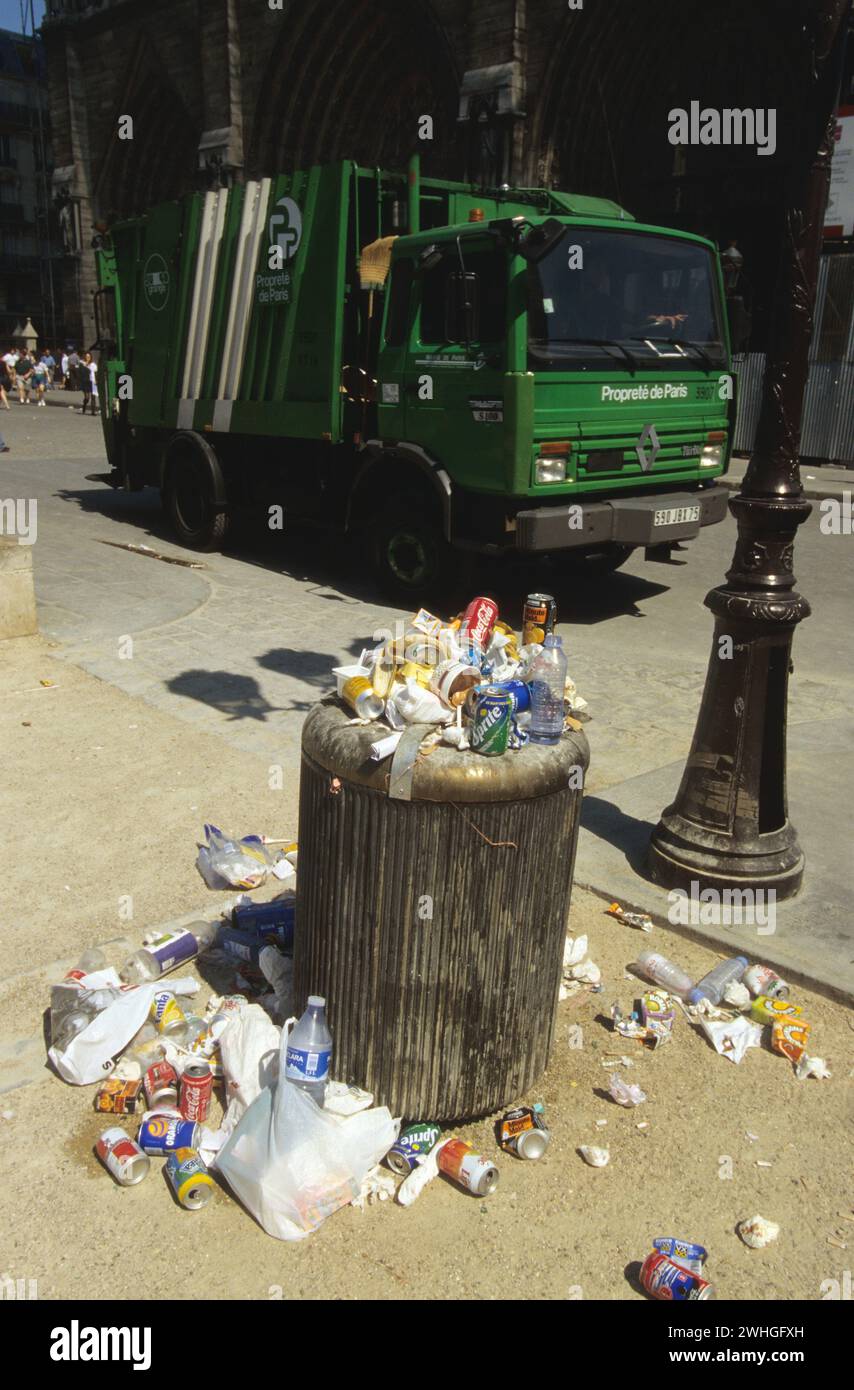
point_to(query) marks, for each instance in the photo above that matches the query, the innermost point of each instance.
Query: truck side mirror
(540, 240)
(462, 316)
(429, 257)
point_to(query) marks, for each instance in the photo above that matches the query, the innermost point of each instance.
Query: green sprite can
(414, 1144)
(491, 720)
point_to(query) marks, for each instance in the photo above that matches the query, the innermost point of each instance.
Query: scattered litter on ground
(757, 1232)
(597, 1158)
(155, 555)
(641, 920)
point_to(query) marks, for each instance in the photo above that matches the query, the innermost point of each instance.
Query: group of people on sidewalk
(31, 377)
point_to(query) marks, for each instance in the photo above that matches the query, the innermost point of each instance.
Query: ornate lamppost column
(729, 825)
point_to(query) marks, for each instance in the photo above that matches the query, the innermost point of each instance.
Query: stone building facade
(575, 93)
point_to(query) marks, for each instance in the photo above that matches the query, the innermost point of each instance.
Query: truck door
(455, 361)
(157, 298)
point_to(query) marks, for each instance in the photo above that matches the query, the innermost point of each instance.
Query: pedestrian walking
(93, 378)
(24, 376)
(11, 360)
(40, 378)
(84, 381)
(63, 369)
(50, 363)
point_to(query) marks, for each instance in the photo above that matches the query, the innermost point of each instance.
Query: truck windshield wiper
(599, 342)
(681, 344)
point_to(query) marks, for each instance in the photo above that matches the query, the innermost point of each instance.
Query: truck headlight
(550, 468)
(712, 456)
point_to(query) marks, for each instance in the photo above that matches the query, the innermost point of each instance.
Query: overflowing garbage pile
(240, 1088)
(473, 677)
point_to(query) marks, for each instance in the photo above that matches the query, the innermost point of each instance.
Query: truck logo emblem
(285, 229)
(156, 282)
(648, 447)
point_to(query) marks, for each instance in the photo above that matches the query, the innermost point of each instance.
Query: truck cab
(571, 379)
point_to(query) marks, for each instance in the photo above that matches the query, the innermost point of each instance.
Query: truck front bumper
(646, 520)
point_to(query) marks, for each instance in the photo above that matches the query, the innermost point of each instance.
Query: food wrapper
(765, 1010)
(790, 1037)
(658, 1015)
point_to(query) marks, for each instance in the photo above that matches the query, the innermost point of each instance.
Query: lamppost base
(673, 862)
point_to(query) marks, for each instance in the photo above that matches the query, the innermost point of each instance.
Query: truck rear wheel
(198, 520)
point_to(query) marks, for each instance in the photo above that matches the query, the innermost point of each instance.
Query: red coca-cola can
(479, 619)
(161, 1085)
(196, 1091)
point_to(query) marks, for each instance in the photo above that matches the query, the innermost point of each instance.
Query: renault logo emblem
(648, 447)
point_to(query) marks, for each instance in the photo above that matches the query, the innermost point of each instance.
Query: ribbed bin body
(435, 926)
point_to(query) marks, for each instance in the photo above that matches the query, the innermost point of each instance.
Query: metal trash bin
(431, 912)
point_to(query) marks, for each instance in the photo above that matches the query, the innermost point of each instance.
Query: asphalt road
(243, 646)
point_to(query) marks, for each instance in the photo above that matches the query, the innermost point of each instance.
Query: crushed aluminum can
(664, 1279)
(122, 1157)
(522, 1131)
(682, 1252)
(161, 1084)
(189, 1178)
(458, 1160)
(413, 1144)
(761, 979)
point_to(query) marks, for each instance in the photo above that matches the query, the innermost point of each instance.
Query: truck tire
(410, 557)
(198, 520)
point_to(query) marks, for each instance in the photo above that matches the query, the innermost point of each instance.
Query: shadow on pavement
(237, 696)
(338, 565)
(626, 833)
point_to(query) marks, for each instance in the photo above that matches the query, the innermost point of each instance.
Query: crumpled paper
(732, 1037)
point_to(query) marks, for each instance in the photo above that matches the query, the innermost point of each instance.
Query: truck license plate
(672, 516)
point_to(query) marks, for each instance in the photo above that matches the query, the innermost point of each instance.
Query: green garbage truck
(426, 365)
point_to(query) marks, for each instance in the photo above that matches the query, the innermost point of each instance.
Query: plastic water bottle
(167, 951)
(547, 679)
(72, 1007)
(712, 986)
(663, 972)
(309, 1050)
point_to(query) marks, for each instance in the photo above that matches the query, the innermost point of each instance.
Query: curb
(717, 937)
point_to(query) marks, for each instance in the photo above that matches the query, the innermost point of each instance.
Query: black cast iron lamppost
(729, 825)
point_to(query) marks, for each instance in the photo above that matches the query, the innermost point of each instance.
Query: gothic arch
(159, 163)
(635, 61)
(349, 79)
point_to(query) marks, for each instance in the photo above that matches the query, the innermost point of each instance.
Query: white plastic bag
(292, 1164)
(88, 1057)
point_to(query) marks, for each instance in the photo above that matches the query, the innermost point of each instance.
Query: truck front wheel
(188, 496)
(411, 558)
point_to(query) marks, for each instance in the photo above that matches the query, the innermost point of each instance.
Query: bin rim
(330, 740)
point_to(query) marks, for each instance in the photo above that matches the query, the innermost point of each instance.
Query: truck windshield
(628, 299)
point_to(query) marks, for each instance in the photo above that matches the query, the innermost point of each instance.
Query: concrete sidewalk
(810, 939)
(817, 482)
